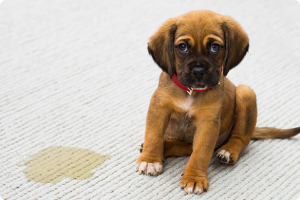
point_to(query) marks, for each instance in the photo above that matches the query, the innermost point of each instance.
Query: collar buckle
(190, 91)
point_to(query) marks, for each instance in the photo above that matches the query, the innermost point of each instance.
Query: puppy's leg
(174, 148)
(151, 158)
(194, 178)
(246, 114)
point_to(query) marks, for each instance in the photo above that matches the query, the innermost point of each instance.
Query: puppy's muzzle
(198, 72)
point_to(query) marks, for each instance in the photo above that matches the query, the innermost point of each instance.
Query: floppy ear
(161, 47)
(237, 43)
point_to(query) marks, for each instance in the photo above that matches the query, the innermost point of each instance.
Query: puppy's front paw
(149, 166)
(194, 184)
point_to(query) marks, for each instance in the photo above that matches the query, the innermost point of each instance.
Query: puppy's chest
(186, 104)
(181, 125)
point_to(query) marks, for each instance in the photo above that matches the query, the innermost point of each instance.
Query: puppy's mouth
(200, 88)
(199, 84)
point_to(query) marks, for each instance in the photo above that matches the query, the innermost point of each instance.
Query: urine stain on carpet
(54, 163)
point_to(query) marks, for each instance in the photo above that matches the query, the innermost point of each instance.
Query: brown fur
(270, 132)
(178, 124)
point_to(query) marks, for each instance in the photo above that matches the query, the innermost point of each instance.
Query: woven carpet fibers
(77, 74)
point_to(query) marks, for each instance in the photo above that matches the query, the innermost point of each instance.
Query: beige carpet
(75, 85)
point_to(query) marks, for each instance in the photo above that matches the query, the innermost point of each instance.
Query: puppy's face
(197, 45)
(199, 52)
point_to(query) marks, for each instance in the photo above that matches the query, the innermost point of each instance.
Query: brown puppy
(196, 109)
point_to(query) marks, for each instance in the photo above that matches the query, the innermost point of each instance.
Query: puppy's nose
(198, 72)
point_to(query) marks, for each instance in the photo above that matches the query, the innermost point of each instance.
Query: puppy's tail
(270, 132)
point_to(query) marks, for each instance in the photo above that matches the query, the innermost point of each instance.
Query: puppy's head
(197, 45)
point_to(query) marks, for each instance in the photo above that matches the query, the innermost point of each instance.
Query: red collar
(189, 90)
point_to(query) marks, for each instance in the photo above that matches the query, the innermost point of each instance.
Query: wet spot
(54, 163)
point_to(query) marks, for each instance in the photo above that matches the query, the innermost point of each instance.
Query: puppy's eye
(215, 48)
(182, 48)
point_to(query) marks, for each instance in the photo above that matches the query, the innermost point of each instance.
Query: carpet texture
(77, 74)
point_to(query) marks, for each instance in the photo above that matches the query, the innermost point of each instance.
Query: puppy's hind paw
(140, 147)
(225, 156)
